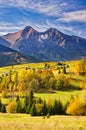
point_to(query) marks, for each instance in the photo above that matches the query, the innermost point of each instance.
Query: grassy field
(6, 69)
(64, 96)
(26, 122)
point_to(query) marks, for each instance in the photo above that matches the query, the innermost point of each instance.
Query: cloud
(42, 14)
(10, 27)
(6, 27)
(77, 16)
(67, 28)
(47, 7)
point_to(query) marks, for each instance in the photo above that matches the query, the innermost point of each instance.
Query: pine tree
(58, 107)
(44, 108)
(30, 97)
(26, 103)
(0, 105)
(28, 109)
(39, 100)
(33, 110)
(19, 107)
(50, 110)
(3, 109)
(17, 98)
(55, 107)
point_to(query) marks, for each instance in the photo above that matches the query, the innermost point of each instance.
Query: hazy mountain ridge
(9, 56)
(50, 45)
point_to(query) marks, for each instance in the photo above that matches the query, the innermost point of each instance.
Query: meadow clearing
(26, 122)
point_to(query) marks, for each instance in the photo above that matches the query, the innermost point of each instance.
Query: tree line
(38, 107)
(30, 79)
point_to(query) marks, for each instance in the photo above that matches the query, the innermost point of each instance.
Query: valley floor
(26, 122)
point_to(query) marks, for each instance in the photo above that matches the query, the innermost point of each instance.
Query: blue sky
(67, 16)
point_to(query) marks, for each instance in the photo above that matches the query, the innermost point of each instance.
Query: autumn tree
(47, 79)
(11, 108)
(80, 67)
(15, 80)
(39, 109)
(59, 84)
(82, 85)
(4, 94)
(34, 85)
(62, 82)
(76, 107)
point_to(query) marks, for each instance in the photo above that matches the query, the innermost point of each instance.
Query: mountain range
(9, 56)
(51, 45)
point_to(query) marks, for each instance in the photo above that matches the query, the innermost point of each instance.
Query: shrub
(39, 109)
(59, 84)
(48, 115)
(11, 108)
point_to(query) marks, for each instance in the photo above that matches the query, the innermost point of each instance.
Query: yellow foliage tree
(76, 107)
(4, 94)
(82, 85)
(34, 85)
(80, 67)
(39, 108)
(11, 108)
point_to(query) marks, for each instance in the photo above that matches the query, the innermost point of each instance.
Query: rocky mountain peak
(28, 31)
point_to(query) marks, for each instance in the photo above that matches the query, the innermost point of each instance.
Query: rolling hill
(9, 56)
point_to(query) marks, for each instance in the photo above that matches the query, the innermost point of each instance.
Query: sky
(67, 16)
